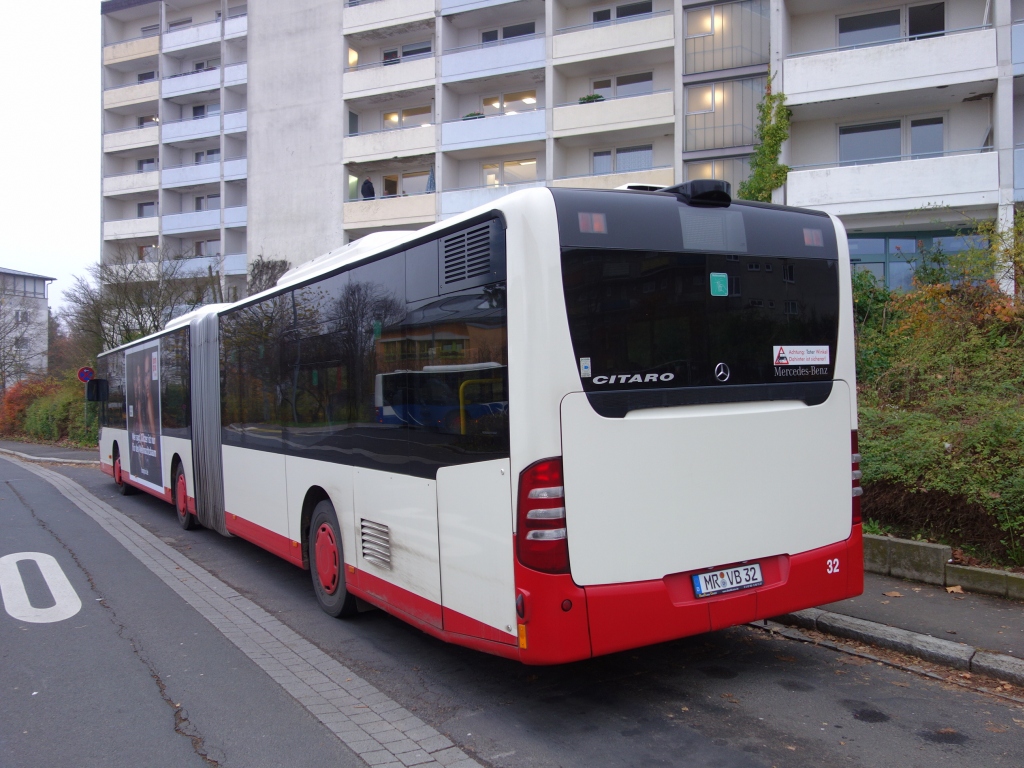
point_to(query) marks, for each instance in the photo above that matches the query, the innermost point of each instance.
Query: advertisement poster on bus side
(142, 396)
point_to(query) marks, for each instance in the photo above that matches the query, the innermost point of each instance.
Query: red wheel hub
(181, 496)
(117, 470)
(327, 565)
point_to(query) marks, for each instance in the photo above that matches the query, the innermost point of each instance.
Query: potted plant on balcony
(472, 115)
(590, 98)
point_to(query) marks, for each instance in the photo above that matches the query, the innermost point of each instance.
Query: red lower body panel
(626, 616)
(274, 543)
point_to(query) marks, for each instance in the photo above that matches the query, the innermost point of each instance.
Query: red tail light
(857, 490)
(541, 542)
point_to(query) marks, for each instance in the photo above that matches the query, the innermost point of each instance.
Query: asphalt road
(137, 677)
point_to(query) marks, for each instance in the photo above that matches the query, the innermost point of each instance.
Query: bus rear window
(652, 319)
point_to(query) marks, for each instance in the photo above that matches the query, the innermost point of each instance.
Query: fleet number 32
(832, 565)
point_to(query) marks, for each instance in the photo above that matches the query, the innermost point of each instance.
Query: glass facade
(726, 36)
(731, 169)
(890, 257)
(722, 114)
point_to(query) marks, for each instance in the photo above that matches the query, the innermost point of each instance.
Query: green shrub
(52, 411)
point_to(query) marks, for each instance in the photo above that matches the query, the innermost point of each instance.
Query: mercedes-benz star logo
(722, 372)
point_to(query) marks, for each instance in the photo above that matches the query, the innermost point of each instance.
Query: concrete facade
(24, 325)
(234, 129)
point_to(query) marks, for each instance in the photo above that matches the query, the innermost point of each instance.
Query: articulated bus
(567, 424)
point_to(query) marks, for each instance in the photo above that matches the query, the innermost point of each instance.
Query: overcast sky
(49, 201)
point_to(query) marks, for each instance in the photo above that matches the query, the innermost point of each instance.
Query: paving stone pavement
(379, 730)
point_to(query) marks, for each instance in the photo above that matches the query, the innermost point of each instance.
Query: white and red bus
(635, 420)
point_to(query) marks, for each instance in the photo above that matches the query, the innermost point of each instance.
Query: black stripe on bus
(615, 404)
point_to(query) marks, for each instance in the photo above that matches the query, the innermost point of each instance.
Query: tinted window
(111, 368)
(870, 28)
(876, 143)
(175, 385)
(371, 367)
(648, 320)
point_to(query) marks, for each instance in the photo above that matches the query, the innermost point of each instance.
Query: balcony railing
(132, 128)
(612, 98)
(893, 158)
(135, 172)
(890, 41)
(154, 33)
(191, 72)
(190, 119)
(389, 197)
(390, 63)
(495, 44)
(351, 3)
(614, 173)
(390, 130)
(610, 22)
(503, 113)
(131, 85)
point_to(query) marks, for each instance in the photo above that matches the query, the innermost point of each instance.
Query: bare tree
(20, 351)
(126, 297)
(264, 273)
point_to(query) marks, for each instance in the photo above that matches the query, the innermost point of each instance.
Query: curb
(957, 655)
(929, 563)
(48, 460)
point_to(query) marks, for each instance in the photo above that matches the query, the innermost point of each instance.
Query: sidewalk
(989, 623)
(50, 451)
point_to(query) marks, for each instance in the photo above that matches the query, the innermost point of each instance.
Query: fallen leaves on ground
(894, 593)
(955, 589)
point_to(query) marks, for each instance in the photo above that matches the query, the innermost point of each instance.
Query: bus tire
(327, 563)
(119, 480)
(180, 490)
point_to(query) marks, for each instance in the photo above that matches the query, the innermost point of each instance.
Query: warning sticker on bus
(800, 355)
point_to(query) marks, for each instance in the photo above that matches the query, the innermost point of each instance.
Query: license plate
(727, 580)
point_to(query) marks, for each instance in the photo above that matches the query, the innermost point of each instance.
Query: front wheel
(185, 518)
(327, 563)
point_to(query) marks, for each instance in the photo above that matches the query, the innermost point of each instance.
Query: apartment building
(287, 129)
(903, 119)
(24, 325)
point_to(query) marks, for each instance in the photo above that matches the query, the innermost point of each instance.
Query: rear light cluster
(857, 490)
(541, 542)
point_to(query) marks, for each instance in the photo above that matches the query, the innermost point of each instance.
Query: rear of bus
(707, 474)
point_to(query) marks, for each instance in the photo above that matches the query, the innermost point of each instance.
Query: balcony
(236, 74)
(663, 176)
(456, 201)
(622, 36)
(134, 93)
(370, 79)
(127, 50)
(236, 26)
(124, 229)
(956, 180)
(236, 168)
(188, 175)
(131, 138)
(488, 59)
(190, 128)
(461, 6)
(186, 37)
(193, 221)
(235, 264)
(235, 216)
(379, 145)
(614, 114)
(235, 122)
(390, 212)
(190, 82)
(960, 56)
(371, 14)
(493, 130)
(128, 183)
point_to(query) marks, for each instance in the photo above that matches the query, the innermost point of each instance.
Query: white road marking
(15, 596)
(379, 730)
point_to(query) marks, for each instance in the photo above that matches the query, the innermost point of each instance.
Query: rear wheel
(119, 478)
(327, 563)
(185, 518)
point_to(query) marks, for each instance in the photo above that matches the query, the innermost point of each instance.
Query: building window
(734, 170)
(722, 114)
(207, 202)
(146, 164)
(623, 159)
(604, 15)
(204, 65)
(726, 35)
(408, 183)
(407, 118)
(353, 124)
(624, 85)
(926, 137)
(510, 172)
(879, 27)
(926, 20)
(200, 111)
(207, 156)
(509, 32)
(21, 316)
(407, 51)
(145, 210)
(146, 77)
(150, 30)
(510, 103)
(180, 23)
(883, 141)
(207, 248)
(148, 120)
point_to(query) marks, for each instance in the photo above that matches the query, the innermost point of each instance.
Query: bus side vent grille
(376, 543)
(469, 258)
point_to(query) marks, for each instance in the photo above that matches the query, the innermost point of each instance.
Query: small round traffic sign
(85, 375)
